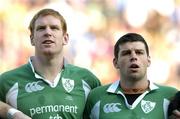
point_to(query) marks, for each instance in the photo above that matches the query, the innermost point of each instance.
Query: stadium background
(94, 26)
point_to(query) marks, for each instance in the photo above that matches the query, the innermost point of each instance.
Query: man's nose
(48, 31)
(133, 56)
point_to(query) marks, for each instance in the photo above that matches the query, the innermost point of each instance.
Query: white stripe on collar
(52, 84)
(113, 87)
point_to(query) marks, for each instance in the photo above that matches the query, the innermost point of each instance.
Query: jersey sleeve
(2, 90)
(88, 107)
(93, 103)
(92, 80)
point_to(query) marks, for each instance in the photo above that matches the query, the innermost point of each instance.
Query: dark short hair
(129, 37)
(45, 12)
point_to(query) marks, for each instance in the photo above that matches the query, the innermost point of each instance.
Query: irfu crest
(147, 106)
(68, 84)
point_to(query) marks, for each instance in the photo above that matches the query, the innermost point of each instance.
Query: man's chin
(135, 77)
(48, 53)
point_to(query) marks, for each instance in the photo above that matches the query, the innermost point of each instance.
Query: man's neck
(47, 68)
(134, 87)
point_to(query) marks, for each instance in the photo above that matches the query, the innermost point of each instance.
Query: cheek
(122, 63)
(145, 63)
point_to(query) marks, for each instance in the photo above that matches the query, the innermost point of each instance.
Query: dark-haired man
(133, 96)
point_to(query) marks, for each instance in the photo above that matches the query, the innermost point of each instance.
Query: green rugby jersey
(108, 102)
(26, 91)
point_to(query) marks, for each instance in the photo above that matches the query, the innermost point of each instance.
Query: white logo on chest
(68, 84)
(33, 87)
(112, 107)
(147, 106)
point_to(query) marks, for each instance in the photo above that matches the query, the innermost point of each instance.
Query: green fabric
(37, 99)
(103, 103)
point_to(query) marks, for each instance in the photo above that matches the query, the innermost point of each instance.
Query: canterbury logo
(33, 87)
(112, 107)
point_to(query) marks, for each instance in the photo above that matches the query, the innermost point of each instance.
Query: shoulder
(11, 78)
(101, 88)
(97, 94)
(166, 91)
(74, 68)
(99, 91)
(16, 72)
(78, 71)
(166, 88)
(83, 74)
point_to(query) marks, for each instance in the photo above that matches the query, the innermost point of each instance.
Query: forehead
(47, 20)
(137, 45)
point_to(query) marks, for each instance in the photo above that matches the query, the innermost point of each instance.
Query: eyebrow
(44, 26)
(129, 50)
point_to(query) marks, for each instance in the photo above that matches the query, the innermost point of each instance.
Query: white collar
(114, 86)
(52, 84)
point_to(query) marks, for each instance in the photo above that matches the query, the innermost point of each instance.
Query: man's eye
(125, 53)
(40, 28)
(55, 27)
(140, 52)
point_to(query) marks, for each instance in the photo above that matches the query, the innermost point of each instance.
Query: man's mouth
(47, 42)
(134, 66)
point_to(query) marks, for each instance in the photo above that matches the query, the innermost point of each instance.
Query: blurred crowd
(94, 26)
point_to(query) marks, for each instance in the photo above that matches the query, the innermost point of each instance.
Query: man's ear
(32, 40)
(149, 61)
(115, 62)
(66, 39)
